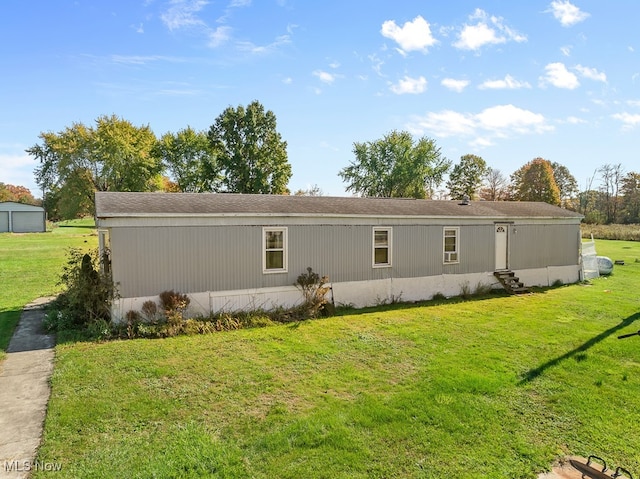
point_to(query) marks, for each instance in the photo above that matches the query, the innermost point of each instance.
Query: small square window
(381, 247)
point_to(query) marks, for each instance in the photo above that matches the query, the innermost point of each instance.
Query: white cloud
(574, 120)
(566, 50)
(325, 77)
(376, 64)
(567, 13)
(629, 121)
(412, 36)
(591, 73)
(500, 121)
(287, 80)
(455, 85)
(261, 49)
(143, 60)
(181, 14)
(488, 30)
(219, 36)
(633, 102)
(511, 118)
(410, 85)
(558, 76)
(445, 123)
(508, 83)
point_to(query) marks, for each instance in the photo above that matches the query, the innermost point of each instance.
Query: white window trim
(457, 251)
(389, 231)
(285, 249)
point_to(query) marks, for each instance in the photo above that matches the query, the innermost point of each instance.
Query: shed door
(502, 246)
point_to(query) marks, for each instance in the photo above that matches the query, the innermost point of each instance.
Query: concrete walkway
(24, 392)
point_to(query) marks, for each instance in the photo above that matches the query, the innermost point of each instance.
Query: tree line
(242, 152)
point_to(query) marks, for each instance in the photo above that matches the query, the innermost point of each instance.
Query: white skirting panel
(355, 293)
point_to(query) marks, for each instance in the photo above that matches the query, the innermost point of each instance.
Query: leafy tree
(395, 166)
(535, 182)
(114, 155)
(495, 186)
(466, 177)
(190, 160)
(566, 182)
(251, 153)
(631, 198)
(17, 194)
(314, 190)
(611, 180)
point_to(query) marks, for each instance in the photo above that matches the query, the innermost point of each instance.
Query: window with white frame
(381, 247)
(274, 248)
(451, 245)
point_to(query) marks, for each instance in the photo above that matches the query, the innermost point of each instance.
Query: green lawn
(30, 265)
(491, 387)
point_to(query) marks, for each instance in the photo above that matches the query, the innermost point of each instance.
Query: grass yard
(496, 386)
(30, 265)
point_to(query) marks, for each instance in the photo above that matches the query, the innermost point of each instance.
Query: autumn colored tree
(466, 177)
(396, 166)
(535, 182)
(17, 194)
(251, 153)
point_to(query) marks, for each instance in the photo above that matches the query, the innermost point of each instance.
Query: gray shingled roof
(112, 204)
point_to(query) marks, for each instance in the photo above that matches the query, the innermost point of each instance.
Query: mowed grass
(30, 265)
(497, 386)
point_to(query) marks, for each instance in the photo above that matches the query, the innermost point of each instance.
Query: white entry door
(502, 246)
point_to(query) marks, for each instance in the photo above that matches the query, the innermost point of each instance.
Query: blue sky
(509, 81)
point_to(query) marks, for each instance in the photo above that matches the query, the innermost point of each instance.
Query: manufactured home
(21, 218)
(234, 251)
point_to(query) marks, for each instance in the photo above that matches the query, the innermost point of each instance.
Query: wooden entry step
(510, 282)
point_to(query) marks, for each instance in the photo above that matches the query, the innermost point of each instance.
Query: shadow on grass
(578, 353)
(8, 322)
(88, 227)
(346, 310)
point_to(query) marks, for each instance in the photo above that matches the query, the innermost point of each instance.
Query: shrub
(174, 306)
(314, 289)
(133, 321)
(482, 289)
(150, 311)
(87, 295)
(465, 290)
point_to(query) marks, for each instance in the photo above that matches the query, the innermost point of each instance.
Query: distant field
(612, 232)
(30, 265)
(497, 386)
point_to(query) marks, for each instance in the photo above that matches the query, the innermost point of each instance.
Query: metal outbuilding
(21, 218)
